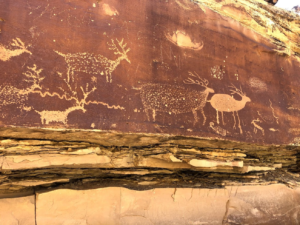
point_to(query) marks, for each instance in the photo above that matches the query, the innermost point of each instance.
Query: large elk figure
(95, 63)
(226, 103)
(176, 99)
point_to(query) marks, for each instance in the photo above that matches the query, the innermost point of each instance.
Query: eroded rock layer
(215, 69)
(185, 101)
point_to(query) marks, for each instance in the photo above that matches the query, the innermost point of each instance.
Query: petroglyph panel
(133, 66)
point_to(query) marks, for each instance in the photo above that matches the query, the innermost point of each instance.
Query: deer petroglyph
(226, 103)
(6, 54)
(96, 64)
(175, 99)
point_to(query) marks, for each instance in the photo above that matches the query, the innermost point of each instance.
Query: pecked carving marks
(226, 103)
(6, 54)
(95, 63)
(175, 99)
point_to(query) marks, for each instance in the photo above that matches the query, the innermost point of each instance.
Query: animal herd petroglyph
(175, 99)
(155, 97)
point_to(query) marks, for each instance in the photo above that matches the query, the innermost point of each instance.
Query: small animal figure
(95, 64)
(57, 116)
(257, 127)
(226, 103)
(175, 99)
(6, 54)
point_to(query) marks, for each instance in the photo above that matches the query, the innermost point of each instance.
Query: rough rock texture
(166, 97)
(19, 211)
(206, 68)
(274, 204)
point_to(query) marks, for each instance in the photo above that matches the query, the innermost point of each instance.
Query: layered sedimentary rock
(150, 95)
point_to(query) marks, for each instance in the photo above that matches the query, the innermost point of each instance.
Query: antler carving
(237, 91)
(117, 51)
(202, 82)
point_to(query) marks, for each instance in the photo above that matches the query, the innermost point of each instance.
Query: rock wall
(275, 204)
(150, 112)
(214, 69)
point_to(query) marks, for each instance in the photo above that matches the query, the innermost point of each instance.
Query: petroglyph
(181, 39)
(273, 129)
(257, 85)
(95, 64)
(12, 95)
(20, 48)
(175, 99)
(217, 72)
(219, 130)
(62, 116)
(109, 10)
(226, 103)
(57, 116)
(256, 126)
(273, 112)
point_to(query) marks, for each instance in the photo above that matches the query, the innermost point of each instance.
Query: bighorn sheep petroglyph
(176, 99)
(95, 64)
(6, 54)
(226, 103)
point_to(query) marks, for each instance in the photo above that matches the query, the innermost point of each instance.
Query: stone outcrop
(185, 101)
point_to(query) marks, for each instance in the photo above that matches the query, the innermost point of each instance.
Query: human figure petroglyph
(226, 103)
(6, 54)
(96, 64)
(175, 99)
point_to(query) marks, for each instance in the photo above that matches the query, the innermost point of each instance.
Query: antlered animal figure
(96, 64)
(226, 103)
(175, 99)
(6, 54)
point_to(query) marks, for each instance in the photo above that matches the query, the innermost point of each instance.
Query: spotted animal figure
(175, 99)
(95, 63)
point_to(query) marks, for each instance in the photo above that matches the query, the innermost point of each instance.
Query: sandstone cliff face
(153, 95)
(214, 69)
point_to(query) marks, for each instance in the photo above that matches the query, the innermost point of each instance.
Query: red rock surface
(144, 66)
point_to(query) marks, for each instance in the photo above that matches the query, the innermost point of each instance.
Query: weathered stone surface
(17, 211)
(212, 69)
(180, 97)
(274, 204)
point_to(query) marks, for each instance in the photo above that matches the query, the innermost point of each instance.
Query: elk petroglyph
(226, 103)
(6, 54)
(96, 64)
(175, 99)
